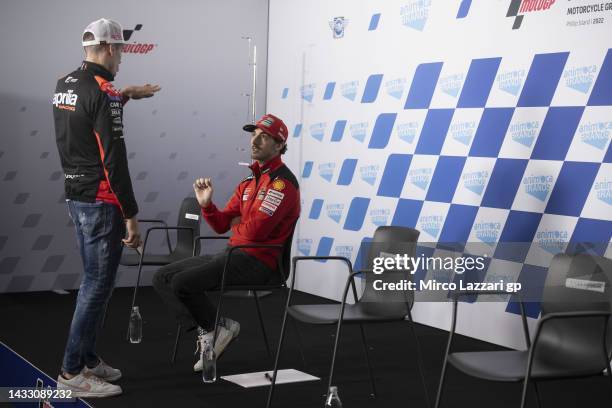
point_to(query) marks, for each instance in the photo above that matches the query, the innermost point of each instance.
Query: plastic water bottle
(135, 326)
(333, 400)
(209, 362)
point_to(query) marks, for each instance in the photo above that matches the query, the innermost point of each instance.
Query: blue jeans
(99, 229)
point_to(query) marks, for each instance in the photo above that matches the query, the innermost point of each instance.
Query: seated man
(262, 210)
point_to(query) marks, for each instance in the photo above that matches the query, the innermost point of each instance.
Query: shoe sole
(86, 394)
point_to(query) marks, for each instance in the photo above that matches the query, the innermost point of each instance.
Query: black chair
(373, 306)
(278, 281)
(187, 227)
(572, 338)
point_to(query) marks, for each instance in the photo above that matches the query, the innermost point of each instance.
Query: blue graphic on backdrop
(334, 211)
(380, 216)
(374, 22)
(415, 14)
(595, 134)
(538, 186)
(420, 177)
(463, 132)
(552, 241)
(338, 25)
(359, 131)
(356, 213)
(297, 130)
(475, 181)
(370, 93)
(407, 131)
(511, 81)
(451, 84)
(329, 91)
(580, 78)
(317, 130)
(304, 246)
(369, 173)
(307, 169)
(349, 89)
(395, 87)
(326, 170)
(432, 224)
(307, 92)
(346, 172)
(285, 93)
(524, 132)
(603, 190)
(487, 232)
(464, 8)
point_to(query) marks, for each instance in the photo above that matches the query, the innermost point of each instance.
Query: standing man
(88, 115)
(262, 210)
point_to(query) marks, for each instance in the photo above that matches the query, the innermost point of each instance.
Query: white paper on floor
(259, 378)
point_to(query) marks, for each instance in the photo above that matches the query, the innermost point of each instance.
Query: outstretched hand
(139, 92)
(203, 191)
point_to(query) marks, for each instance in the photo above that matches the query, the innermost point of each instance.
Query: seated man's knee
(159, 278)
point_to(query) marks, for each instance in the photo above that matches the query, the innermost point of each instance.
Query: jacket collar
(97, 69)
(271, 165)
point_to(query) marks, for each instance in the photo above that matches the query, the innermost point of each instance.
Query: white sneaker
(227, 333)
(104, 371)
(88, 386)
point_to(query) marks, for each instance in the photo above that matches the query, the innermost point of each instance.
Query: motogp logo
(337, 25)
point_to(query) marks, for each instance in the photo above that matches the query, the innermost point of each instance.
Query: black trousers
(182, 284)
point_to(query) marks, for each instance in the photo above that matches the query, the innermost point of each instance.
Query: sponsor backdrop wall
(192, 128)
(479, 121)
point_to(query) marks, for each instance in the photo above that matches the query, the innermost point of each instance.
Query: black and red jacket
(268, 204)
(88, 115)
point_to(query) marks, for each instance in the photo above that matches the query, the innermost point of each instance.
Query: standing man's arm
(108, 129)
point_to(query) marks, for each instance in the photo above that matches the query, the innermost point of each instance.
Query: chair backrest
(579, 282)
(389, 241)
(190, 216)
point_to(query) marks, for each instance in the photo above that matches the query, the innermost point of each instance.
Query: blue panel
(491, 131)
(445, 179)
(394, 175)
(542, 79)
(557, 133)
(362, 255)
(297, 130)
(346, 172)
(307, 169)
(374, 22)
(591, 236)
(602, 90)
(285, 93)
(371, 89)
(458, 224)
(329, 91)
(572, 188)
(356, 213)
(464, 8)
(382, 131)
(504, 183)
(423, 86)
(338, 131)
(532, 280)
(434, 131)
(478, 83)
(325, 246)
(407, 213)
(315, 210)
(518, 232)
(608, 156)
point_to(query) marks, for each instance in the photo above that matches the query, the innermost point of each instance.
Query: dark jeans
(99, 230)
(182, 284)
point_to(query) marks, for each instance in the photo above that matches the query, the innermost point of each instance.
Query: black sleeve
(108, 127)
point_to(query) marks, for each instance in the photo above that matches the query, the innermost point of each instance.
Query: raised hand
(203, 191)
(139, 92)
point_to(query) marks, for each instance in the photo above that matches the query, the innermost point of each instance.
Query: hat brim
(249, 127)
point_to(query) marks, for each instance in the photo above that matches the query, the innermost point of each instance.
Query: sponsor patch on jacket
(278, 185)
(261, 194)
(275, 194)
(267, 208)
(245, 194)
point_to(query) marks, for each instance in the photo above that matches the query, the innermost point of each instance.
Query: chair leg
(333, 362)
(537, 393)
(524, 395)
(419, 357)
(277, 357)
(367, 357)
(134, 299)
(176, 342)
(261, 323)
(299, 342)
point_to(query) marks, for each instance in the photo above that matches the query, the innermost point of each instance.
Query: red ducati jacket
(268, 204)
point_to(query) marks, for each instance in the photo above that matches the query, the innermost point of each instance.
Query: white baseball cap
(105, 31)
